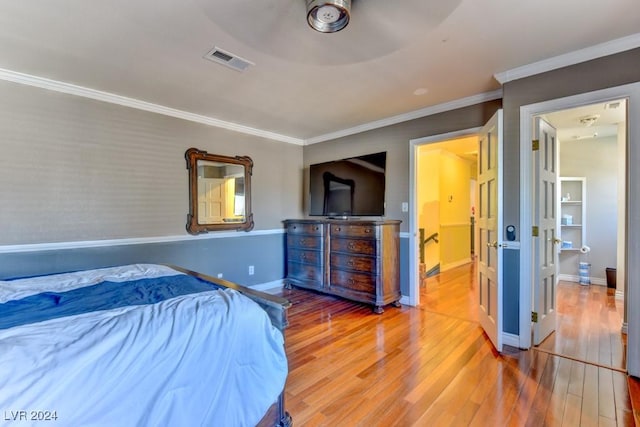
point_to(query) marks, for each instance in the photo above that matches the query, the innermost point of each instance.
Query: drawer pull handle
(303, 241)
(338, 229)
(303, 257)
(351, 281)
(351, 245)
(350, 263)
(367, 230)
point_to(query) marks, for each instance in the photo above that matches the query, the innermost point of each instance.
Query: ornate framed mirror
(219, 192)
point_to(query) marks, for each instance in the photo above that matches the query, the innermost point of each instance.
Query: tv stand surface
(352, 258)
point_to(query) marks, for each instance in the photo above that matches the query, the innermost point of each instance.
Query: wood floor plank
(433, 366)
(572, 411)
(559, 393)
(589, 415)
(576, 381)
(606, 400)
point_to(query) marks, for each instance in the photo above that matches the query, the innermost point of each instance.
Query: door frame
(632, 244)
(414, 284)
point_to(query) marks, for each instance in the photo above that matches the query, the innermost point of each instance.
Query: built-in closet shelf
(572, 201)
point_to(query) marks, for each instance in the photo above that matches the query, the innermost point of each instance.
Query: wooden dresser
(354, 259)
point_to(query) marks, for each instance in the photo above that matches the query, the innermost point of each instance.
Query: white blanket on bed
(211, 359)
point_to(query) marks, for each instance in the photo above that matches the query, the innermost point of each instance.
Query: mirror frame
(192, 155)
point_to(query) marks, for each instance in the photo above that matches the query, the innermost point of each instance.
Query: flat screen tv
(348, 187)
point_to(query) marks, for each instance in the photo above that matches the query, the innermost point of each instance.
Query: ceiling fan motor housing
(328, 16)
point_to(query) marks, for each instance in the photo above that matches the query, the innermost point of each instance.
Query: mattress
(162, 357)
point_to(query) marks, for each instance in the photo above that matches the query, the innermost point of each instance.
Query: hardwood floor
(588, 326)
(433, 366)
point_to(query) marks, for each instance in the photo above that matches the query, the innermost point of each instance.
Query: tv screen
(348, 187)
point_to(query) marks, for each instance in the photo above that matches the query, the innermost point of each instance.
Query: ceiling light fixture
(328, 16)
(589, 120)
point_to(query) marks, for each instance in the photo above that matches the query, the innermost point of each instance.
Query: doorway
(445, 202)
(590, 229)
(631, 287)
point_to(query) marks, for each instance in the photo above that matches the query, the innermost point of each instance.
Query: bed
(140, 345)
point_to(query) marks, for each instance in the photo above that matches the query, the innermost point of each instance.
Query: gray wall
(395, 141)
(74, 169)
(227, 256)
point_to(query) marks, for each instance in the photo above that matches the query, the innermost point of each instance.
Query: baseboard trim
(451, 265)
(511, 339)
(572, 278)
(404, 300)
(267, 286)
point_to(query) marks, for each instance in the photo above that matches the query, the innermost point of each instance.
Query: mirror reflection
(219, 192)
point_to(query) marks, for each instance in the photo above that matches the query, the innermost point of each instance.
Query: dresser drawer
(305, 257)
(304, 241)
(354, 246)
(358, 282)
(361, 231)
(304, 228)
(357, 263)
(304, 272)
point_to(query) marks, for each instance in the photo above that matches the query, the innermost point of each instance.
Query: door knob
(493, 244)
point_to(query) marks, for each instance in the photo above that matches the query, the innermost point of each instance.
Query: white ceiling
(588, 121)
(304, 84)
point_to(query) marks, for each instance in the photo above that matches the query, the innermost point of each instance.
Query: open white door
(545, 226)
(489, 223)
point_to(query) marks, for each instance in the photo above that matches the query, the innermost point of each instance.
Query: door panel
(489, 224)
(210, 200)
(545, 218)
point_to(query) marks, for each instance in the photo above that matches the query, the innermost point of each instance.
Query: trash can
(611, 277)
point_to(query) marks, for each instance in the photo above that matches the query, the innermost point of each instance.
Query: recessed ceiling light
(420, 91)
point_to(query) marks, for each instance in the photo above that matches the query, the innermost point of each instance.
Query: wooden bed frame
(276, 308)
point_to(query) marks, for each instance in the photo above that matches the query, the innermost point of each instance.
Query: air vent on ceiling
(612, 105)
(229, 59)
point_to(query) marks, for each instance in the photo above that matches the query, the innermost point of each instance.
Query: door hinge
(534, 317)
(535, 145)
(534, 231)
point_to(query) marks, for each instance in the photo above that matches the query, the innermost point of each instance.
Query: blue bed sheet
(102, 296)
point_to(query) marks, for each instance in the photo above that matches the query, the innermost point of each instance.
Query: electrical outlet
(251, 270)
(219, 275)
(405, 207)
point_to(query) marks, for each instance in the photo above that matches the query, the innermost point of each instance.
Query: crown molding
(416, 114)
(571, 58)
(71, 89)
